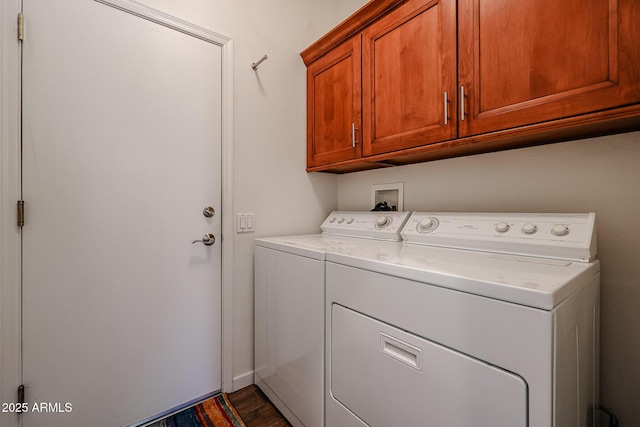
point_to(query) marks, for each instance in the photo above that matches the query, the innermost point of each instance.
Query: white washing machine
(483, 320)
(289, 308)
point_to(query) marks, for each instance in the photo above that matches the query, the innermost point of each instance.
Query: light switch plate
(245, 223)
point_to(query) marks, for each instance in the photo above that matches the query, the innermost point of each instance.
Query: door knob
(208, 239)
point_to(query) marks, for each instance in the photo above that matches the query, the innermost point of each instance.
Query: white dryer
(289, 308)
(483, 320)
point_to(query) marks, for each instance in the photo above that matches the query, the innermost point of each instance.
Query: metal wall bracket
(254, 66)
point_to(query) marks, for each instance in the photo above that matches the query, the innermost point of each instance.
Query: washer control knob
(529, 228)
(383, 221)
(427, 224)
(332, 220)
(502, 227)
(341, 220)
(350, 220)
(560, 230)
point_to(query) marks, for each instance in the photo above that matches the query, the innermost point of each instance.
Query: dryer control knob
(341, 220)
(560, 230)
(350, 220)
(427, 224)
(502, 227)
(332, 220)
(383, 221)
(529, 228)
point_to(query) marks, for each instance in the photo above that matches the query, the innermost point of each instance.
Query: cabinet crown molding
(347, 28)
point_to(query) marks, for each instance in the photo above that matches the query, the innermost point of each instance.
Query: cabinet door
(530, 61)
(333, 105)
(408, 69)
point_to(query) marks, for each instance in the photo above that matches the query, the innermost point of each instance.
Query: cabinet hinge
(21, 394)
(20, 26)
(20, 213)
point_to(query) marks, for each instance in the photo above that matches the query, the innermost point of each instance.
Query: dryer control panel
(381, 225)
(558, 236)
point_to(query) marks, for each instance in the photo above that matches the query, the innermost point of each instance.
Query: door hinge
(21, 394)
(20, 213)
(20, 26)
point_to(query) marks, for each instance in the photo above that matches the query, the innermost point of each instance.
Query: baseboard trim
(243, 380)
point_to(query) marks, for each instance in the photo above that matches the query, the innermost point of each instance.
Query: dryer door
(386, 376)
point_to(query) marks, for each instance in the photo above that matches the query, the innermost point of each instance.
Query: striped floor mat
(215, 412)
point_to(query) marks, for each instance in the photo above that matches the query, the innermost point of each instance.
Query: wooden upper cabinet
(334, 105)
(531, 61)
(409, 77)
(405, 81)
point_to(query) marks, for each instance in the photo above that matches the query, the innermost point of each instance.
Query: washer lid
(312, 246)
(534, 282)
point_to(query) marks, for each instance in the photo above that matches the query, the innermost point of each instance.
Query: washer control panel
(560, 236)
(381, 225)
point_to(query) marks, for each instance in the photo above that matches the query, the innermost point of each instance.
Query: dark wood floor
(255, 409)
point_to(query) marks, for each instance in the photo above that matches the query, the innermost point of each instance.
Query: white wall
(601, 175)
(347, 7)
(269, 131)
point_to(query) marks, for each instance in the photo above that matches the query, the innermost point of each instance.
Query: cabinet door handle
(446, 108)
(461, 102)
(354, 141)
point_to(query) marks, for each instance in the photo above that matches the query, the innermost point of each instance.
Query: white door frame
(10, 190)
(10, 358)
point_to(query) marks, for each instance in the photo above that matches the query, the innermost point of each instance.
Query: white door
(121, 154)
